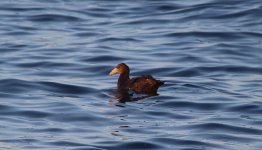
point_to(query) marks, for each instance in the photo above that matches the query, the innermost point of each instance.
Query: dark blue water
(55, 56)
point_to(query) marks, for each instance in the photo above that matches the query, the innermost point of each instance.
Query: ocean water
(55, 92)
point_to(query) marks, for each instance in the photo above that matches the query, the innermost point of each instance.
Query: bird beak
(114, 71)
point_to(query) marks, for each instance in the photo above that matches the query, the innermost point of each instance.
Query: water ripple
(56, 93)
(217, 127)
(53, 18)
(15, 85)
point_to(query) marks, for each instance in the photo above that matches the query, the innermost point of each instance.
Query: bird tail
(160, 82)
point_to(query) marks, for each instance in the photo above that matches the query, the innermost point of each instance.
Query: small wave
(231, 69)
(87, 34)
(65, 88)
(114, 39)
(66, 143)
(253, 108)
(20, 9)
(18, 33)
(203, 34)
(19, 86)
(242, 13)
(184, 143)
(191, 105)
(134, 145)
(231, 138)
(16, 86)
(8, 111)
(53, 18)
(32, 114)
(104, 58)
(218, 127)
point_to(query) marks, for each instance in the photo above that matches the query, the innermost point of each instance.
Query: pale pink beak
(114, 71)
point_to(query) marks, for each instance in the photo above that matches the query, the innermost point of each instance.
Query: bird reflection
(123, 96)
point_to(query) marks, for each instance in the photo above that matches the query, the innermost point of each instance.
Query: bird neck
(123, 81)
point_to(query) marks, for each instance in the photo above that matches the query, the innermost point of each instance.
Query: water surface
(55, 56)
